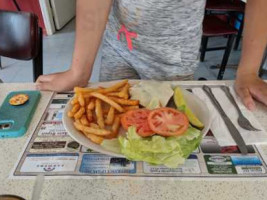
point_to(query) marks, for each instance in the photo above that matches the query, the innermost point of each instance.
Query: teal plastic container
(15, 120)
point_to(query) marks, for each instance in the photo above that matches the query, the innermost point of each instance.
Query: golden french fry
(87, 100)
(110, 116)
(86, 95)
(75, 108)
(80, 113)
(94, 138)
(114, 94)
(114, 87)
(127, 102)
(116, 125)
(93, 125)
(70, 114)
(99, 114)
(81, 99)
(91, 105)
(96, 131)
(126, 108)
(124, 93)
(77, 120)
(107, 100)
(74, 101)
(89, 115)
(84, 120)
(86, 129)
(78, 125)
(115, 128)
(86, 91)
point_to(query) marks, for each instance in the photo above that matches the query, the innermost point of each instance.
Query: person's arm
(91, 19)
(248, 85)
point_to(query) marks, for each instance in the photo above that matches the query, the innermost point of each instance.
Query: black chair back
(21, 38)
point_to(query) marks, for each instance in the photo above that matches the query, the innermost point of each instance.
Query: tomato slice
(137, 118)
(168, 122)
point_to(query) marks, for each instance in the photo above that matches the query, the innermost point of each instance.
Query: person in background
(155, 39)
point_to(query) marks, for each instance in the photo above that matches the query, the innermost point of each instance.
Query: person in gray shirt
(155, 39)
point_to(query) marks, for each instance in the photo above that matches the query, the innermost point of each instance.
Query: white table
(129, 188)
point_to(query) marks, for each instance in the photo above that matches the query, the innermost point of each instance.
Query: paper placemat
(52, 152)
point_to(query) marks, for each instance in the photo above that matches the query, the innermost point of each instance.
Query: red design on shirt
(128, 35)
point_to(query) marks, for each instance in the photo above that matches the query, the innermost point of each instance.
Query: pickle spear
(182, 106)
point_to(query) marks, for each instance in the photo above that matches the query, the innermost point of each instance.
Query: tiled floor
(58, 50)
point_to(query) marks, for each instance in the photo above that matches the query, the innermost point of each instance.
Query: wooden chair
(21, 38)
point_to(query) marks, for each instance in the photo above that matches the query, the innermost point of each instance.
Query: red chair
(21, 38)
(231, 8)
(214, 27)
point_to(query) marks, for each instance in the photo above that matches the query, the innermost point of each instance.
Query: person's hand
(249, 86)
(63, 81)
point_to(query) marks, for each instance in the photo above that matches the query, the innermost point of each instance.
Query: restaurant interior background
(57, 18)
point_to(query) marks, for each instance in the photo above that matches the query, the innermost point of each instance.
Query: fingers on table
(260, 92)
(246, 97)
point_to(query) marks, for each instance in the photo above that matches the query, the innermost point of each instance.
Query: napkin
(218, 127)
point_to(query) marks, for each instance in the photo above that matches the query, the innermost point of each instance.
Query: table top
(120, 188)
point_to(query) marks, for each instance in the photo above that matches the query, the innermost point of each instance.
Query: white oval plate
(193, 101)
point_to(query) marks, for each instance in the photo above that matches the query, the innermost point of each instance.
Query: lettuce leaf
(112, 145)
(170, 151)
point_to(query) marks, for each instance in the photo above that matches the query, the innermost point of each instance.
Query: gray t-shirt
(165, 35)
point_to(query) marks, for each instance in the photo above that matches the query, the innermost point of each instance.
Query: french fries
(110, 116)
(74, 101)
(93, 125)
(78, 125)
(96, 131)
(114, 87)
(81, 99)
(124, 93)
(97, 111)
(75, 108)
(84, 120)
(91, 105)
(94, 138)
(107, 100)
(79, 114)
(90, 130)
(116, 125)
(99, 114)
(115, 128)
(127, 102)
